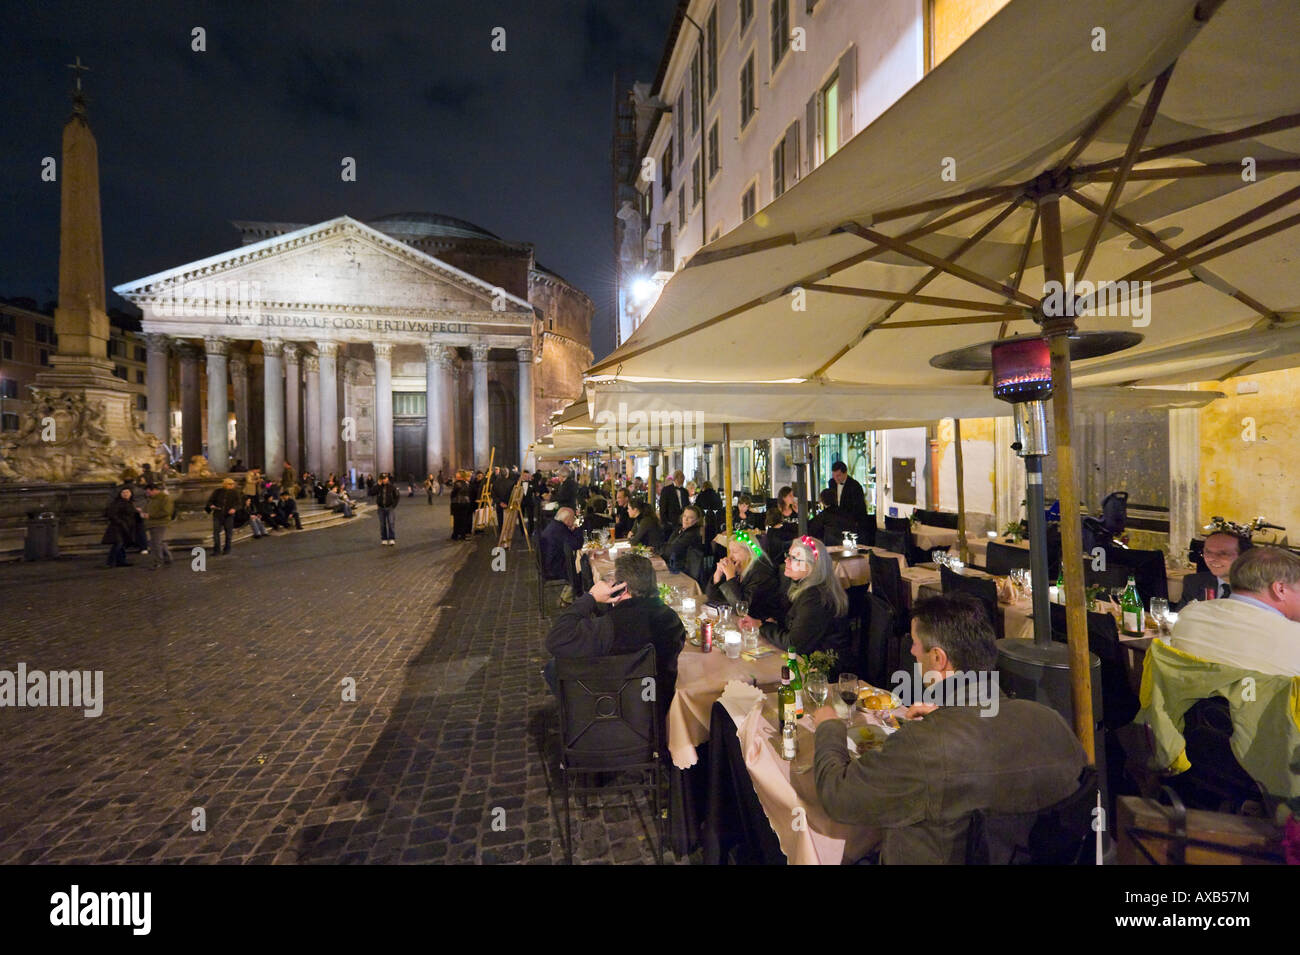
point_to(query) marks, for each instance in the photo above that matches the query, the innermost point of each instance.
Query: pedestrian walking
(462, 508)
(387, 498)
(121, 516)
(222, 505)
(429, 488)
(158, 515)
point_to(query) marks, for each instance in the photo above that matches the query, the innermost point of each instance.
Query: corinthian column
(384, 406)
(311, 435)
(328, 352)
(526, 418)
(239, 385)
(218, 413)
(158, 418)
(191, 416)
(272, 407)
(292, 413)
(439, 428)
(479, 353)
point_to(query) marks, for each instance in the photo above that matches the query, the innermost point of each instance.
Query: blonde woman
(815, 604)
(745, 575)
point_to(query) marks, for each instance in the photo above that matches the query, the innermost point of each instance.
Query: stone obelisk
(81, 426)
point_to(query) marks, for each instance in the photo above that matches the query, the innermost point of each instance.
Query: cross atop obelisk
(78, 94)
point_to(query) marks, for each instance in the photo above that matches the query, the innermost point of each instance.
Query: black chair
(1216, 782)
(887, 584)
(1061, 834)
(867, 530)
(881, 651)
(699, 567)
(545, 607)
(607, 726)
(893, 541)
(1148, 569)
(1001, 559)
(946, 519)
(899, 524)
(736, 829)
(982, 588)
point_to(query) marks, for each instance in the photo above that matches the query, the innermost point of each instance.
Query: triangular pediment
(341, 264)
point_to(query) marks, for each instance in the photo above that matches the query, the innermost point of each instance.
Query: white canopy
(864, 233)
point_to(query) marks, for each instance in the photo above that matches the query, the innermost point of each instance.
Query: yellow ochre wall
(1241, 479)
(953, 21)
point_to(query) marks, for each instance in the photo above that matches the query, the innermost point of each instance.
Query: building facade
(413, 344)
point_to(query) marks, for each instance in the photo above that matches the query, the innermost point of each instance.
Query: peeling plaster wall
(1242, 479)
(977, 465)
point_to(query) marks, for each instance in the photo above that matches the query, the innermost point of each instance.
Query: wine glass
(848, 691)
(742, 608)
(1160, 613)
(818, 688)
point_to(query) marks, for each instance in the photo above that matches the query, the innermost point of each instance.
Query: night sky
(256, 127)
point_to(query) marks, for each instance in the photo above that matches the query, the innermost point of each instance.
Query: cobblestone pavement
(223, 706)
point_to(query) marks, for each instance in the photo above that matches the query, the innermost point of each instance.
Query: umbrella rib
(922, 283)
(1279, 124)
(1116, 103)
(830, 270)
(1149, 237)
(1232, 225)
(1000, 193)
(950, 320)
(906, 298)
(1140, 131)
(945, 265)
(1193, 172)
(1250, 237)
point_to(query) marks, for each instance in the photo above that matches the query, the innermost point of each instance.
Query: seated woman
(832, 521)
(780, 532)
(746, 574)
(689, 537)
(743, 517)
(645, 526)
(708, 499)
(815, 604)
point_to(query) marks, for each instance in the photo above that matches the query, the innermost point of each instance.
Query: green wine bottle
(1060, 585)
(1130, 605)
(784, 697)
(796, 682)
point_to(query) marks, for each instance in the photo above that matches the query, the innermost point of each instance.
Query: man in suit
(566, 495)
(1258, 626)
(622, 522)
(848, 493)
(923, 785)
(1222, 548)
(503, 484)
(673, 499)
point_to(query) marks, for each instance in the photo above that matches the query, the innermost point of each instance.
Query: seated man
(288, 511)
(923, 784)
(635, 616)
(1221, 549)
(558, 542)
(1258, 626)
(622, 520)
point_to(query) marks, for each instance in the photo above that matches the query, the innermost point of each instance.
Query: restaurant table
(602, 564)
(854, 570)
(932, 538)
(918, 576)
(807, 836)
(1015, 618)
(701, 678)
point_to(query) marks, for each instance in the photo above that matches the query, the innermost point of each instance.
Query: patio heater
(797, 432)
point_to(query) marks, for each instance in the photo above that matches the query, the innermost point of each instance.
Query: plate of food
(871, 698)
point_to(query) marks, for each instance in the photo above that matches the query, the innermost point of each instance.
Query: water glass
(1160, 613)
(817, 688)
(748, 635)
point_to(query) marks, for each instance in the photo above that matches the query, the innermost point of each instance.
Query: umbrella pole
(962, 547)
(1057, 331)
(726, 475)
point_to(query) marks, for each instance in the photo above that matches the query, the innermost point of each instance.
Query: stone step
(184, 532)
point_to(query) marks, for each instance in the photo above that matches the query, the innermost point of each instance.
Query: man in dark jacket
(622, 521)
(1222, 548)
(986, 752)
(386, 497)
(635, 616)
(559, 541)
(287, 511)
(673, 499)
(566, 495)
(503, 484)
(831, 521)
(222, 505)
(850, 497)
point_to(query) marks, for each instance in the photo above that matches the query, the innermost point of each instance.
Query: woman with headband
(815, 604)
(746, 575)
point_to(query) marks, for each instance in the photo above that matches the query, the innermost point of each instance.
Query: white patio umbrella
(1173, 137)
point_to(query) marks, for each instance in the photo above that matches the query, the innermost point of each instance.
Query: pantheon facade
(413, 343)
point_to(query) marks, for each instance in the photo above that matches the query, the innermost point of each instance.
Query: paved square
(224, 704)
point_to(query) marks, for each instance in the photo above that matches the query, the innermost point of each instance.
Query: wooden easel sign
(514, 514)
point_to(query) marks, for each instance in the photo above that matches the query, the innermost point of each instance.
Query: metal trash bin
(42, 541)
